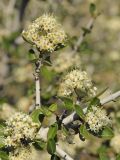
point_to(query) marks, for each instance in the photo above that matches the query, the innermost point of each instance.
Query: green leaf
(107, 133)
(53, 108)
(47, 74)
(37, 116)
(68, 103)
(92, 9)
(118, 157)
(46, 111)
(2, 141)
(39, 144)
(86, 30)
(65, 131)
(52, 131)
(54, 157)
(51, 146)
(103, 156)
(31, 51)
(79, 111)
(94, 102)
(47, 63)
(3, 100)
(102, 151)
(3, 156)
(32, 57)
(84, 132)
(1, 130)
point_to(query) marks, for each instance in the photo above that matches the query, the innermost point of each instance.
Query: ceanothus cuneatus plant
(83, 112)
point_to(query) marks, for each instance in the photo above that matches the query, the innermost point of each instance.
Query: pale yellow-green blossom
(19, 127)
(76, 79)
(97, 119)
(45, 33)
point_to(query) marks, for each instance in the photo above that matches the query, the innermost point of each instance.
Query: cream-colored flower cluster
(45, 33)
(19, 127)
(64, 61)
(23, 153)
(97, 119)
(115, 143)
(76, 79)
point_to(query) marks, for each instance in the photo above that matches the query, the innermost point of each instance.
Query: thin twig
(82, 36)
(72, 116)
(62, 153)
(112, 97)
(37, 83)
(42, 134)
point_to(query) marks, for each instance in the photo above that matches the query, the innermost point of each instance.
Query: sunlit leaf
(2, 141)
(92, 9)
(68, 103)
(51, 146)
(84, 132)
(107, 133)
(46, 111)
(94, 102)
(39, 144)
(52, 131)
(79, 111)
(53, 107)
(3, 155)
(118, 157)
(37, 116)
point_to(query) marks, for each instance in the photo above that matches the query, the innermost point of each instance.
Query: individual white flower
(64, 61)
(76, 79)
(45, 33)
(20, 127)
(97, 119)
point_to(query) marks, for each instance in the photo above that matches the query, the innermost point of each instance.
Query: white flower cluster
(97, 119)
(19, 126)
(23, 153)
(45, 33)
(65, 60)
(76, 79)
(115, 143)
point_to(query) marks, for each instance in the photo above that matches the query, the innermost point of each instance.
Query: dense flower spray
(76, 79)
(20, 128)
(45, 33)
(97, 119)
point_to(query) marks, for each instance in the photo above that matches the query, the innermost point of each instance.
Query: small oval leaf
(107, 133)
(52, 131)
(79, 111)
(51, 146)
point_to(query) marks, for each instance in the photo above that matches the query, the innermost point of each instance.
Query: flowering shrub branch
(83, 110)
